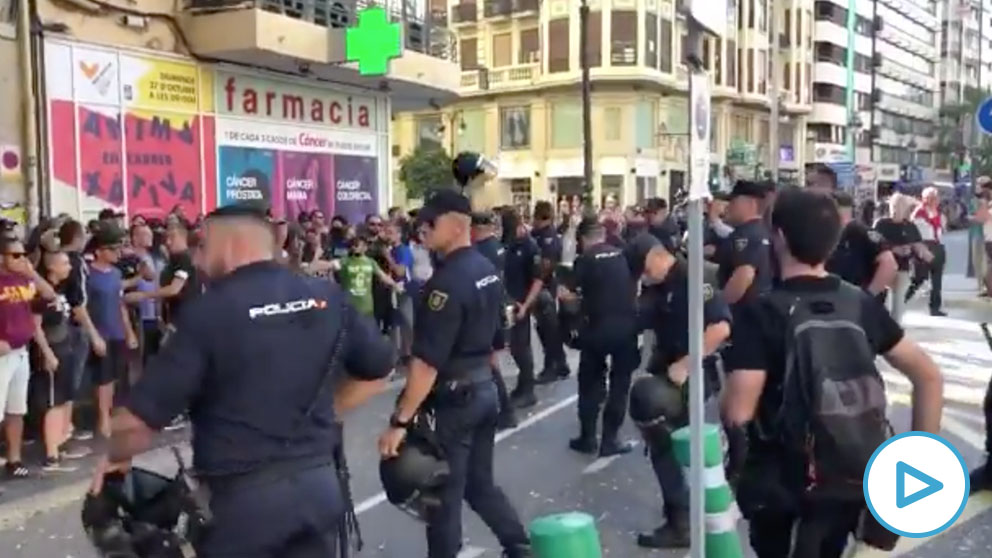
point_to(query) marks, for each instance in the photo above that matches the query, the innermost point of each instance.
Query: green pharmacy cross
(373, 42)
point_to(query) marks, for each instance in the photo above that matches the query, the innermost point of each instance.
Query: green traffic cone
(565, 535)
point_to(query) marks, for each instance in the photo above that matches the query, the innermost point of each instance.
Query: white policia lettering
(292, 307)
(486, 281)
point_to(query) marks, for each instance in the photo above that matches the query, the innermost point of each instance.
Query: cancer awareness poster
(355, 187)
(307, 183)
(246, 175)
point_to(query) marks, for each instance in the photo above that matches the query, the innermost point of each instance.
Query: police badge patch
(436, 300)
(740, 244)
(874, 236)
(707, 292)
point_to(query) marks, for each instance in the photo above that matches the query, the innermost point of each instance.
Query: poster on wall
(124, 131)
(296, 170)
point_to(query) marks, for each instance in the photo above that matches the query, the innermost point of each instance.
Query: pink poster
(306, 181)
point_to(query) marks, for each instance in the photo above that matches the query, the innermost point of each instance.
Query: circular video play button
(916, 484)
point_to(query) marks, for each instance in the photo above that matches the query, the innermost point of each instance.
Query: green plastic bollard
(565, 535)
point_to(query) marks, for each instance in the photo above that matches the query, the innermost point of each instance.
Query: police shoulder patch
(707, 292)
(740, 243)
(874, 236)
(436, 300)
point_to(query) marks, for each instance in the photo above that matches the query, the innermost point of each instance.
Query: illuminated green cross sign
(373, 42)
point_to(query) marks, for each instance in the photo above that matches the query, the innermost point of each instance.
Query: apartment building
(965, 48)
(520, 95)
(895, 74)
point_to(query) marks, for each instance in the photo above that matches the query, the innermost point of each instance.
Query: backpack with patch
(833, 396)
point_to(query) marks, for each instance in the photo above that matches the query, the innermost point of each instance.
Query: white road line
(603, 462)
(977, 504)
(471, 552)
(961, 430)
(369, 503)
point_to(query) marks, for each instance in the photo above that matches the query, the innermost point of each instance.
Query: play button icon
(911, 468)
(931, 485)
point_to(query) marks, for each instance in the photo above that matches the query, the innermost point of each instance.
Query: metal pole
(773, 139)
(586, 97)
(694, 210)
(30, 108)
(874, 72)
(852, 18)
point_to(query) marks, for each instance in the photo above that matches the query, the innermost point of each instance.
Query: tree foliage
(954, 132)
(426, 168)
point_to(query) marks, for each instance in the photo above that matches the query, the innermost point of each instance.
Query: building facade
(146, 112)
(891, 117)
(13, 199)
(965, 48)
(520, 95)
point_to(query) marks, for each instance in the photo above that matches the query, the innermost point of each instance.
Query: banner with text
(124, 130)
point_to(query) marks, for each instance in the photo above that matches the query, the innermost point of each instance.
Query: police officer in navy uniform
(485, 241)
(667, 314)
(454, 333)
(608, 330)
(746, 262)
(524, 282)
(546, 312)
(266, 361)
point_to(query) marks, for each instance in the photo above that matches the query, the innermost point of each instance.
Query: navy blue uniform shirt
(749, 244)
(493, 250)
(854, 257)
(460, 315)
(667, 312)
(549, 243)
(247, 359)
(601, 273)
(668, 232)
(523, 266)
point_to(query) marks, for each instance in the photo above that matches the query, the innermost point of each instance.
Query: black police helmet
(467, 165)
(413, 480)
(653, 398)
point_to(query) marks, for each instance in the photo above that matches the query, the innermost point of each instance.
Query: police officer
(454, 331)
(862, 256)
(746, 264)
(608, 329)
(661, 224)
(523, 285)
(545, 312)
(266, 424)
(667, 314)
(485, 241)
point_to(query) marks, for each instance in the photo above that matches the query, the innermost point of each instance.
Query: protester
(401, 265)
(17, 328)
(929, 219)
(903, 238)
(149, 270)
(359, 273)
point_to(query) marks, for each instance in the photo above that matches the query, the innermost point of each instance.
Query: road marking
(471, 552)
(604, 462)
(962, 431)
(977, 503)
(373, 501)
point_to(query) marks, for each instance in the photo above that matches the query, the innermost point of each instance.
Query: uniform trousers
(619, 344)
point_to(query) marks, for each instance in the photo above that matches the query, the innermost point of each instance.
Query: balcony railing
(465, 13)
(498, 8)
(426, 30)
(485, 79)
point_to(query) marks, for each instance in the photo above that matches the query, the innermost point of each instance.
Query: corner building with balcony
(147, 105)
(520, 95)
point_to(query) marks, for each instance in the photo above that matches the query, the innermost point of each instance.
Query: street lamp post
(586, 97)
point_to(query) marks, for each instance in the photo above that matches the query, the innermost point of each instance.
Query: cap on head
(750, 189)
(109, 213)
(444, 202)
(247, 210)
(107, 236)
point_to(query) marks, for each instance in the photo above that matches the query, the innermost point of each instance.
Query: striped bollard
(565, 535)
(722, 540)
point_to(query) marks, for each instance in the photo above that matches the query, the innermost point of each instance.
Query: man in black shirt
(523, 285)
(179, 280)
(862, 257)
(745, 265)
(904, 240)
(806, 226)
(546, 311)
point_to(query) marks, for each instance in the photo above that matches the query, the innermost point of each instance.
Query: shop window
(566, 125)
(731, 63)
(647, 188)
(611, 191)
(468, 51)
(558, 53)
(514, 127)
(530, 46)
(502, 50)
(520, 196)
(646, 125)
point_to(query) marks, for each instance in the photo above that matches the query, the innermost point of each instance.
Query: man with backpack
(804, 381)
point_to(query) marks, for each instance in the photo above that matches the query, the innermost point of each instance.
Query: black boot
(522, 399)
(673, 534)
(518, 551)
(613, 446)
(583, 444)
(507, 419)
(981, 477)
(553, 373)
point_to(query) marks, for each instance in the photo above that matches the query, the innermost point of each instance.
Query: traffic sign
(916, 484)
(984, 116)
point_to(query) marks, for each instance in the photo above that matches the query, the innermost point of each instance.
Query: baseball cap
(107, 237)
(749, 188)
(442, 202)
(109, 213)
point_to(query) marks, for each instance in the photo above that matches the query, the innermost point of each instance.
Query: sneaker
(611, 446)
(77, 452)
(55, 465)
(177, 423)
(16, 471)
(82, 435)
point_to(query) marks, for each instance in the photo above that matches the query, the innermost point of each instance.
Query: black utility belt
(272, 472)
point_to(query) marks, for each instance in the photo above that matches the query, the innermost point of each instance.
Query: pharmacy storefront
(145, 134)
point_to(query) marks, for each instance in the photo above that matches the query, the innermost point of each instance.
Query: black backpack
(833, 398)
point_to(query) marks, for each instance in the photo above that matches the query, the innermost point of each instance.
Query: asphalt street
(542, 476)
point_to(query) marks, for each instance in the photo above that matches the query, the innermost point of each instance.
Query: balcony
(498, 8)
(500, 79)
(307, 37)
(464, 13)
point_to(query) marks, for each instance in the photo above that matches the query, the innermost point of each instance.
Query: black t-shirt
(179, 266)
(854, 258)
(54, 316)
(899, 236)
(749, 244)
(75, 285)
(600, 272)
(129, 265)
(758, 336)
